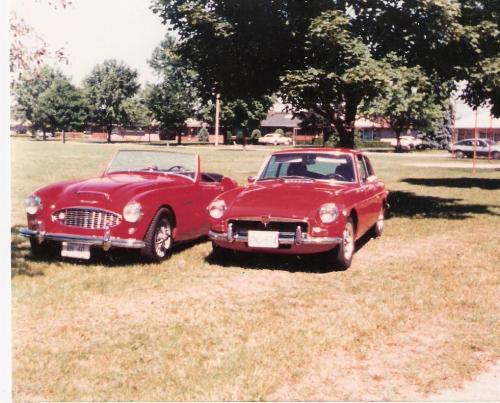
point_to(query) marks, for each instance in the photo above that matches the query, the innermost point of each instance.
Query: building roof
(280, 120)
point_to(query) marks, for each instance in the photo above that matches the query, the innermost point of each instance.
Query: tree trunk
(44, 135)
(63, 136)
(179, 137)
(110, 129)
(398, 140)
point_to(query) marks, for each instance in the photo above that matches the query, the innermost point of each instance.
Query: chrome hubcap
(348, 241)
(163, 240)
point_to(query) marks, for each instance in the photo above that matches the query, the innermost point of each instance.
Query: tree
(29, 88)
(238, 115)
(28, 50)
(137, 113)
(483, 85)
(331, 55)
(406, 101)
(441, 132)
(61, 107)
(106, 88)
(174, 98)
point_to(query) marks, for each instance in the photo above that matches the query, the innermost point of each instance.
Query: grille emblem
(265, 220)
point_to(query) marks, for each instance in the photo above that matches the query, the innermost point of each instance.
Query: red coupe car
(303, 201)
(145, 200)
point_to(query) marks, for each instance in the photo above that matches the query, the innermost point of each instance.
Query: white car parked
(407, 142)
(275, 138)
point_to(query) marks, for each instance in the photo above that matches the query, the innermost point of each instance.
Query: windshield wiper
(297, 177)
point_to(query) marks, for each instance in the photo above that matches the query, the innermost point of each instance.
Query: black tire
(158, 239)
(378, 227)
(495, 155)
(44, 249)
(342, 255)
(458, 154)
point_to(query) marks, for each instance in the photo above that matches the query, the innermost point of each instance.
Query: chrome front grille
(285, 228)
(87, 218)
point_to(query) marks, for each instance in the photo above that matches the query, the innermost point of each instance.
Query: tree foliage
(107, 87)
(174, 98)
(60, 108)
(238, 115)
(405, 102)
(331, 56)
(30, 87)
(137, 113)
(28, 50)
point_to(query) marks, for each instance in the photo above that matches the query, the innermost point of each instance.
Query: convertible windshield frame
(315, 154)
(155, 164)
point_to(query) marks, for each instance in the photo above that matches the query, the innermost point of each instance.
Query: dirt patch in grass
(412, 316)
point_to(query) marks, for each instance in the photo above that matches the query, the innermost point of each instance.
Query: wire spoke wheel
(159, 237)
(348, 242)
(163, 239)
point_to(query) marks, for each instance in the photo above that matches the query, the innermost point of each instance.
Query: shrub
(255, 136)
(280, 131)
(203, 135)
(240, 136)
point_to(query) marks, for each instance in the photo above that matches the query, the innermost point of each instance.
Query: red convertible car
(303, 201)
(145, 200)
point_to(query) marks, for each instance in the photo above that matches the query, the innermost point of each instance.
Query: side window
(361, 169)
(369, 166)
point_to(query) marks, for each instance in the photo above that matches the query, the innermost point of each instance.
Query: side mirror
(251, 179)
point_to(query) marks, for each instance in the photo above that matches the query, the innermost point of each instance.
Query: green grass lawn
(418, 310)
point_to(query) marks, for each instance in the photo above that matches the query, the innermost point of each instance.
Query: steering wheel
(176, 168)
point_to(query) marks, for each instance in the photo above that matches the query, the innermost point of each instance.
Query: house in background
(280, 120)
(465, 122)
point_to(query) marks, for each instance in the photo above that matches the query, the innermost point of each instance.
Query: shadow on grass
(19, 255)
(319, 263)
(465, 183)
(22, 258)
(408, 204)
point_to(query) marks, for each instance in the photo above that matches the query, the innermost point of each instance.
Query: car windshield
(311, 166)
(154, 161)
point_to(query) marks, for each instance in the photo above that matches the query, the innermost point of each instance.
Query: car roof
(318, 150)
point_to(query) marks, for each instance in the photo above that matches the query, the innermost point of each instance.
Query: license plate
(263, 239)
(75, 250)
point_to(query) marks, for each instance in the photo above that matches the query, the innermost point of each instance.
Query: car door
(376, 190)
(481, 148)
(365, 192)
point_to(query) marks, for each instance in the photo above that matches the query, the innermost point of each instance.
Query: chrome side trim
(105, 241)
(284, 239)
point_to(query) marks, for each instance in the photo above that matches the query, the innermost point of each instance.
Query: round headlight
(132, 212)
(328, 213)
(32, 204)
(216, 209)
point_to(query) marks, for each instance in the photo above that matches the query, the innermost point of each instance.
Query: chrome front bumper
(105, 241)
(297, 238)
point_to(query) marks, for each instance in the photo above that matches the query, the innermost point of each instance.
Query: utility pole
(217, 112)
(475, 146)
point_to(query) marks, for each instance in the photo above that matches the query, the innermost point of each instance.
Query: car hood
(284, 199)
(110, 189)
